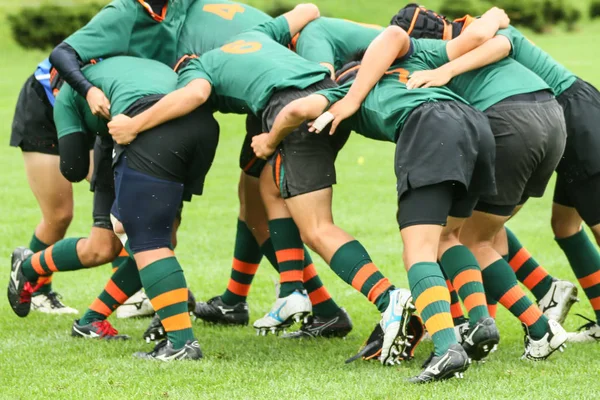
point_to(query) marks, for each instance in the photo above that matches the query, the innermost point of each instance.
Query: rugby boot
(96, 330)
(49, 303)
(217, 312)
(164, 351)
(394, 323)
(338, 325)
(451, 364)
(554, 339)
(285, 312)
(558, 301)
(590, 332)
(19, 288)
(481, 339)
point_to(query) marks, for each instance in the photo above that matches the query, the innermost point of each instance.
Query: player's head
(421, 23)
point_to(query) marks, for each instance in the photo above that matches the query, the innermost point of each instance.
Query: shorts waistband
(540, 95)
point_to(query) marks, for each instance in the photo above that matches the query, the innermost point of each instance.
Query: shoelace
(54, 299)
(28, 291)
(588, 325)
(104, 328)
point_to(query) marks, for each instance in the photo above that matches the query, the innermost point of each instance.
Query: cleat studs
(147, 339)
(306, 320)
(257, 332)
(263, 332)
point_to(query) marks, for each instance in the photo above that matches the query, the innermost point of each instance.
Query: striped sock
(501, 283)
(432, 300)
(456, 310)
(165, 286)
(123, 284)
(289, 250)
(323, 304)
(585, 262)
(44, 283)
(61, 256)
(528, 271)
(491, 302)
(464, 272)
(352, 263)
(246, 259)
(121, 258)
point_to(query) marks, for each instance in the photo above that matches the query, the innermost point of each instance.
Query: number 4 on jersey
(225, 11)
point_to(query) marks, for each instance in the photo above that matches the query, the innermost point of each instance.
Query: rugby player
(209, 25)
(254, 73)
(382, 117)
(530, 135)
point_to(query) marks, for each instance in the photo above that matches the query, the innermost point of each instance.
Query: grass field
(38, 358)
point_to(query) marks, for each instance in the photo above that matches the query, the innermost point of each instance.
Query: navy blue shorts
(146, 206)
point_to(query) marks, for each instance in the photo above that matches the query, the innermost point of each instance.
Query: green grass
(38, 358)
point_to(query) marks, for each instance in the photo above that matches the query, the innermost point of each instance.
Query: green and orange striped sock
(352, 263)
(501, 284)
(44, 283)
(121, 258)
(529, 272)
(585, 262)
(491, 302)
(464, 272)
(432, 300)
(322, 303)
(458, 316)
(124, 283)
(289, 251)
(246, 259)
(165, 286)
(61, 256)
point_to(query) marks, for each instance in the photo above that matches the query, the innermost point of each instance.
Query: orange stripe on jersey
(101, 308)
(289, 255)
(531, 315)
(535, 277)
(456, 310)
(319, 296)
(595, 303)
(439, 322)
(48, 259)
(309, 272)
(240, 289)
(431, 295)
(467, 276)
(290, 276)
(36, 264)
(519, 259)
(590, 280)
(492, 310)
(115, 292)
(513, 295)
(169, 298)
(363, 274)
(177, 322)
(244, 267)
(378, 289)
(475, 300)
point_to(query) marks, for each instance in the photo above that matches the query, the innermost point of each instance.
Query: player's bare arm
(289, 118)
(300, 16)
(174, 105)
(391, 44)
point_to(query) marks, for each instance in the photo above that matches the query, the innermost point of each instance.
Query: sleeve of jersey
(335, 94)
(194, 70)
(512, 35)
(277, 29)
(66, 116)
(314, 47)
(107, 34)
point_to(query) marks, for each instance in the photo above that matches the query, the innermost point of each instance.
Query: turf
(38, 358)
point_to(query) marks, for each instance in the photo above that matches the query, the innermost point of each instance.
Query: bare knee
(59, 220)
(94, 252)
(564, 226)
(315, 236)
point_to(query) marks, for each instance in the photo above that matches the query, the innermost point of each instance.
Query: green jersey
(246, 72)
(334, 41)
(486, 86)
(211, 23)
(538, 61)
(126, 27)
(383, 113)
(124, 80)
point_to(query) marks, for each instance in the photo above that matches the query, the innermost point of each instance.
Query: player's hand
(425, 79)
(99, 104)
(500, 15)
(123, 129)
(262, 146)
(340, 111)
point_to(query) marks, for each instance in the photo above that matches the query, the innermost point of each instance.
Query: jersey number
(225, 11)
(241, 47)
(402, 74)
